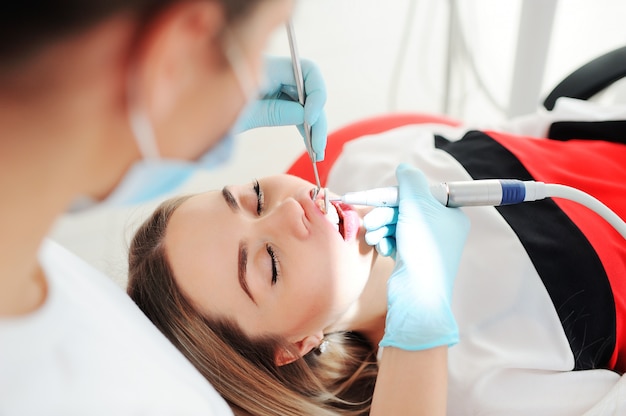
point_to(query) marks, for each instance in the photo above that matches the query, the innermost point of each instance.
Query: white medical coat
(90, 351)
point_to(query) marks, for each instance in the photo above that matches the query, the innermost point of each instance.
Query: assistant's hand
(279, 106)
(429, 240)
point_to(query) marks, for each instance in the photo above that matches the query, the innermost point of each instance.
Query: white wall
(356, 43)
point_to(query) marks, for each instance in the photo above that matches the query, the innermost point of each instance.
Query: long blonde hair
(336, 380)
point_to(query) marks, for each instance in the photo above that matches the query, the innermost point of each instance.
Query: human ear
(285, 356)
(172, 50)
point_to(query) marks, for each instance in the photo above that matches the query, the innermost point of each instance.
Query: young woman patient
(279, 305)
(223, 271)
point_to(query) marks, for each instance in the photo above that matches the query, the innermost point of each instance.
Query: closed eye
(259, 197)
(274, 259)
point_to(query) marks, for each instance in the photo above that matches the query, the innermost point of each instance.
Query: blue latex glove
(279, 106)
(429, 240)
(380, 225)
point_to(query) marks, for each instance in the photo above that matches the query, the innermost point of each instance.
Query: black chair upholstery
(591, 78)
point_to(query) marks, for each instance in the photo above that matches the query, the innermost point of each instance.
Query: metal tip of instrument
(326, 201)
(314, 194)
(317, 175)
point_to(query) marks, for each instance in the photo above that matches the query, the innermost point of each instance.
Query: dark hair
(28, 26)
(336, 380)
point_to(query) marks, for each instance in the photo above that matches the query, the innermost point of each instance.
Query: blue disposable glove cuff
(401, 333)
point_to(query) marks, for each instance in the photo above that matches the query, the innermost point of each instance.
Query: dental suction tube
(490, 192)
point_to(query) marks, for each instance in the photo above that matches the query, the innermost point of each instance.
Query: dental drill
(489, 192)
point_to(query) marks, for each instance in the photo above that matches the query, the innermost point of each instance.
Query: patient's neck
(368, 314)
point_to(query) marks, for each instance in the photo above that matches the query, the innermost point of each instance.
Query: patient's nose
(287, 219)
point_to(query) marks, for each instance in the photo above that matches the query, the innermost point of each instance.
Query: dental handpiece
(490, 192)
(484, 192)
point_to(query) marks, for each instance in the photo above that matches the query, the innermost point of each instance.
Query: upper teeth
(333, 216)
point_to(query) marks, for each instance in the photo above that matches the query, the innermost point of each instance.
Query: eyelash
(259, 209)
(259, 197)
(274, 259)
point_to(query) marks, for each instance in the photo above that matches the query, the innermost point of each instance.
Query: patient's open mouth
(342, 216)
(334, 216)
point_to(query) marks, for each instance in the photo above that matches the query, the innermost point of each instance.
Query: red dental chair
(583, 83)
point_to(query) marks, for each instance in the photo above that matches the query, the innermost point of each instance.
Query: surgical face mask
(155, 176)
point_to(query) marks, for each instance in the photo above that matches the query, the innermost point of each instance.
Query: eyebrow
(230, 199)
(242, 257)
(242, 263)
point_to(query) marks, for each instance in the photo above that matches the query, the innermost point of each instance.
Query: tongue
(350, 224)
(349, 221)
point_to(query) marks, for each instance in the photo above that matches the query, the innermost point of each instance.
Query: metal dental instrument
(297, 71)
(326, 201)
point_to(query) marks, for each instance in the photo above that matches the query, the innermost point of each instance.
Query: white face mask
(154, 176)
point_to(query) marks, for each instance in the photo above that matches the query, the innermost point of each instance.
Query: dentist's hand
(428, 241)
(279, 106)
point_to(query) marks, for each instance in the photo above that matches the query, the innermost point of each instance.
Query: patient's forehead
(199, 239)
(198, 212)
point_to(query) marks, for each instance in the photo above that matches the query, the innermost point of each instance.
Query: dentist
(108, 102)
(114, 102)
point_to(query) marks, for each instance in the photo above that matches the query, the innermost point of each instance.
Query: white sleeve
(90, 350)
(517, 392)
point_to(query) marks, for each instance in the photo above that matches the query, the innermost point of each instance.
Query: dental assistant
(105, 103)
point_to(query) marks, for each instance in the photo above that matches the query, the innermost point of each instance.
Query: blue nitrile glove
(429, 240)
(279, 106)
(380, 226)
